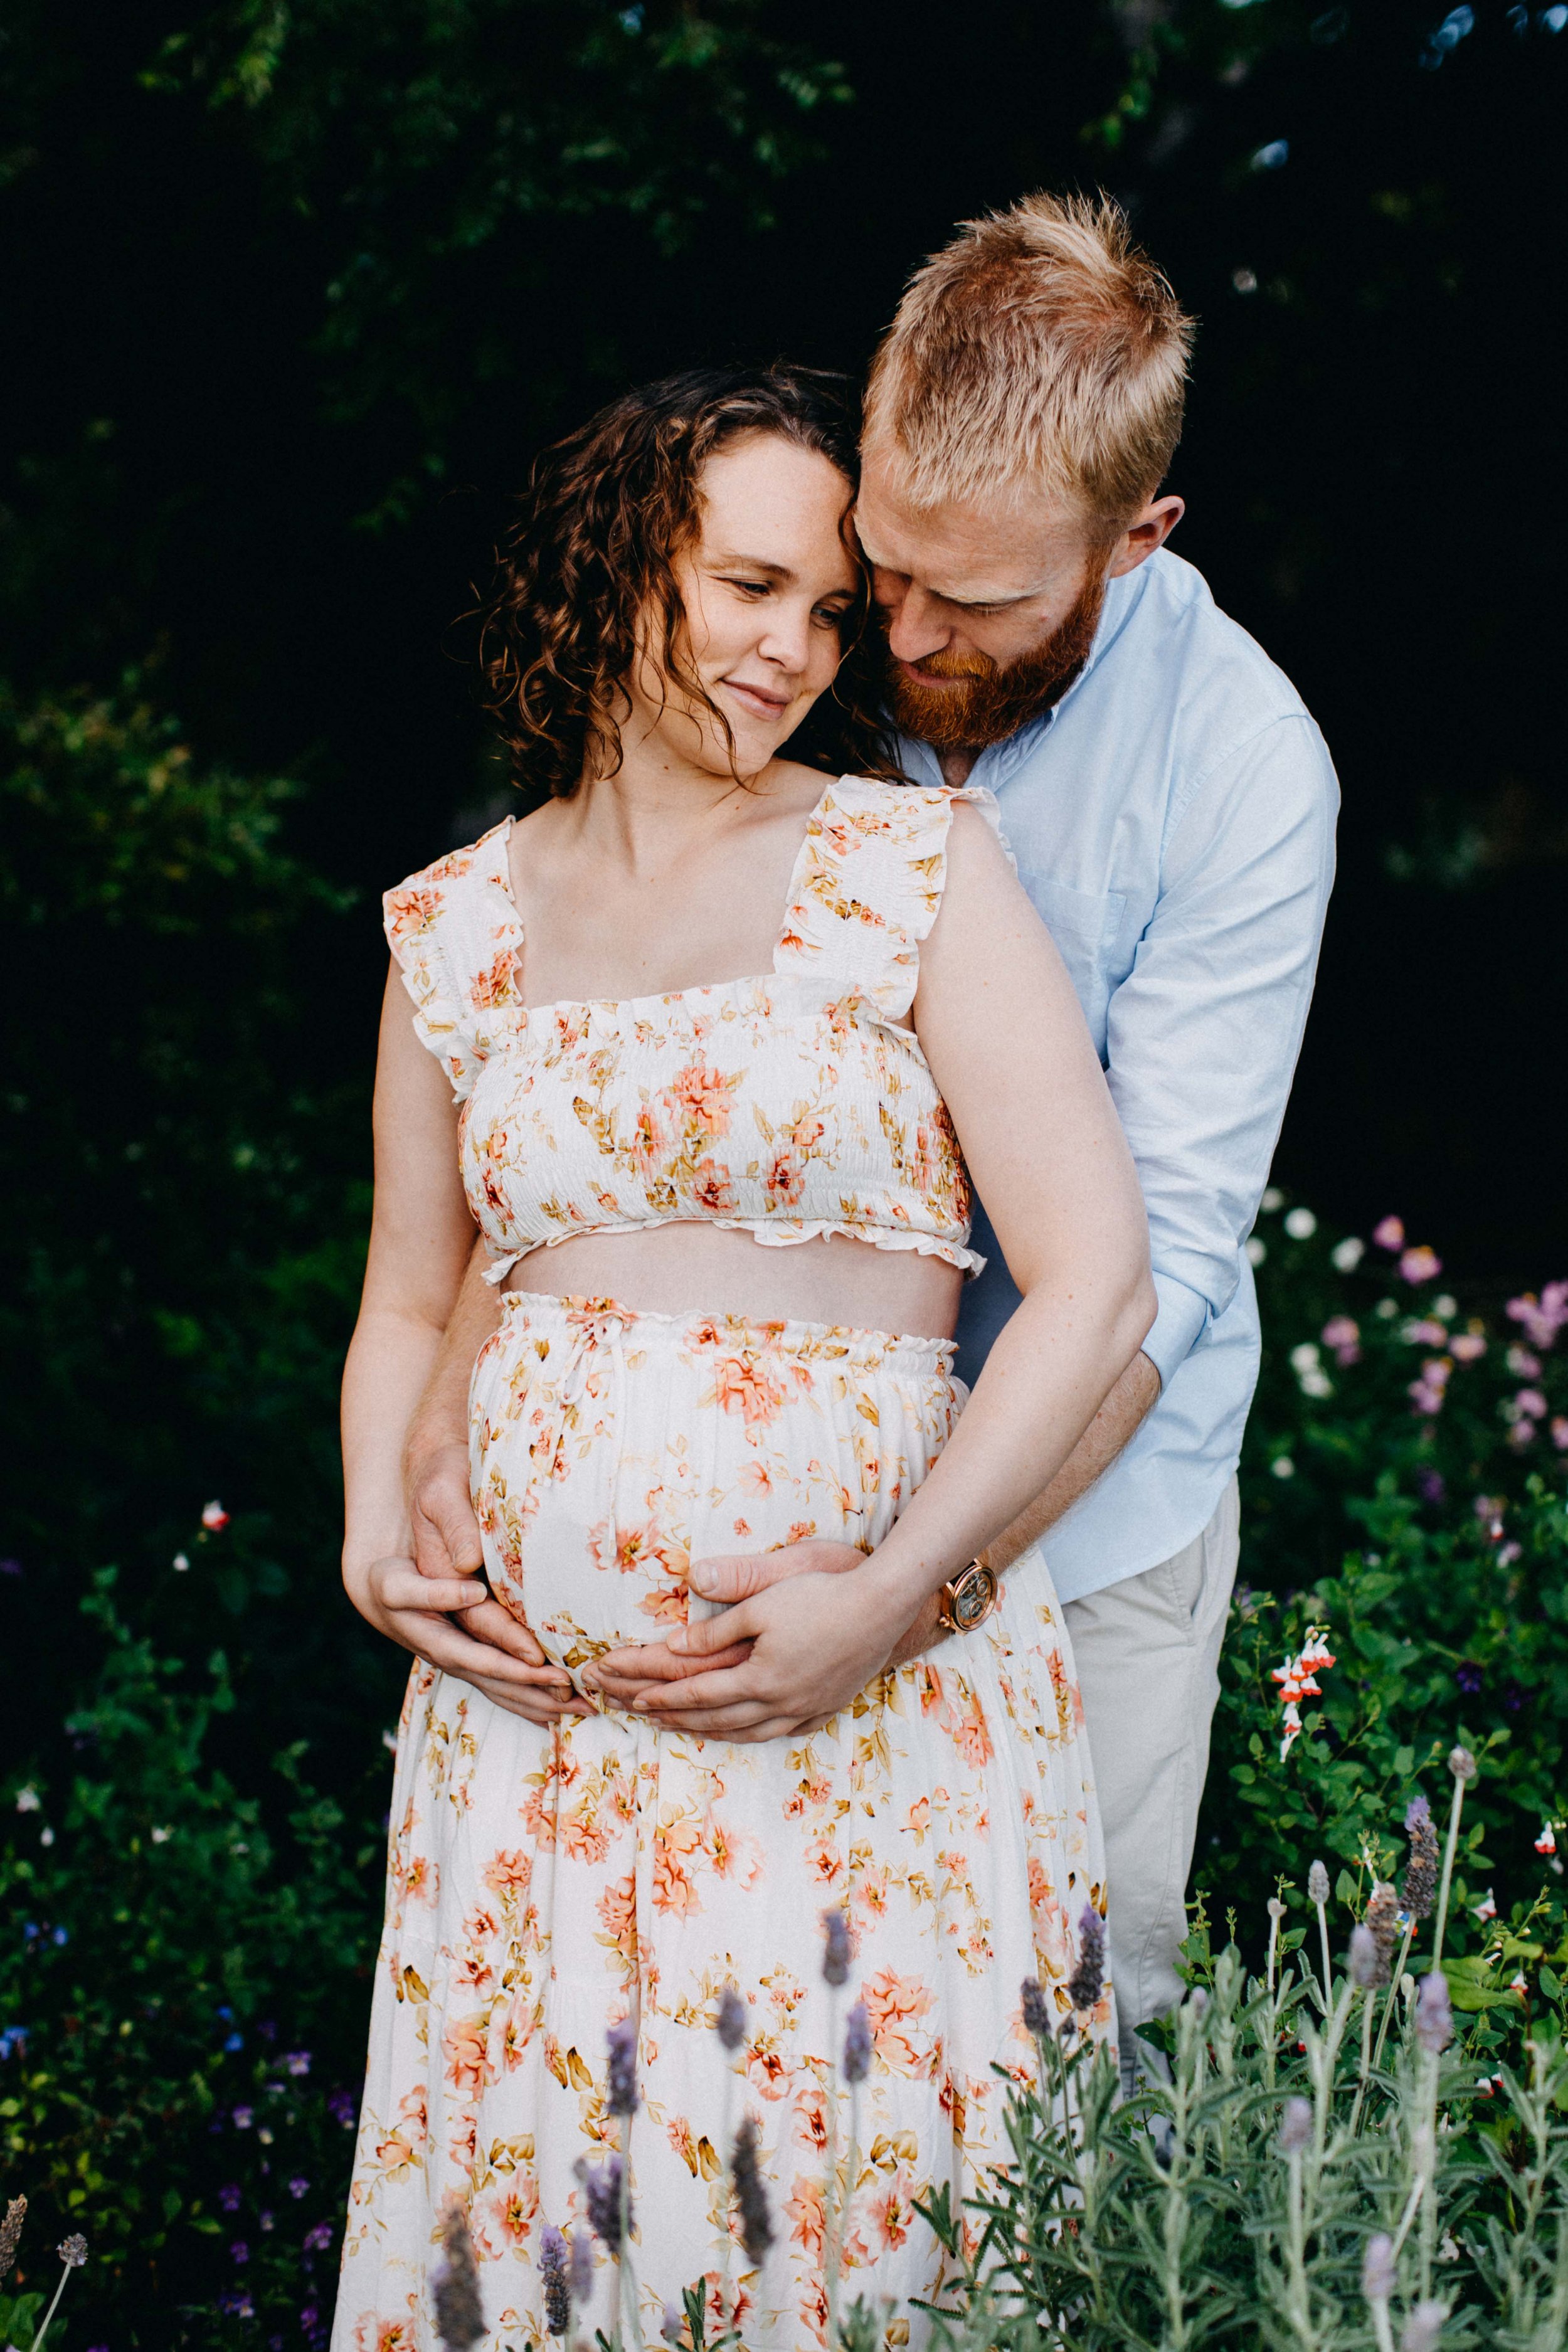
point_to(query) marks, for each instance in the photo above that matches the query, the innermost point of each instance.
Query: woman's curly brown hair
(606, 511)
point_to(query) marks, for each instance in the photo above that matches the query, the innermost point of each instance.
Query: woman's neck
(650, 814)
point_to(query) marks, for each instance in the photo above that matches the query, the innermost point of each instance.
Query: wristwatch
(966, 1600)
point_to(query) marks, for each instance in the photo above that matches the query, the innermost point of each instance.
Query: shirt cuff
(1176, 1328)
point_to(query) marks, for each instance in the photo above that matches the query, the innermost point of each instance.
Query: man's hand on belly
(624, 1676)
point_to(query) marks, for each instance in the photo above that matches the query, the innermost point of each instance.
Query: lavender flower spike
(72, 2250)
(1295, 2129)
(1317, 1885)
(11, 2231)
(1433, 2013)
(1378, 2276)
(1087, 1981)
(1382, 1923)
(579, 2269)
(552, 2272)
(857, 2045)
(622, 2099)
(1363, 1959)
(672, 2327)
(1037, 2015)
(836, 1952)
(751, 2194)
(1462, 1765)
(1423, 2327)
(731, 2020)
(602, 2189)
(1421, 1871)
(459, 2314)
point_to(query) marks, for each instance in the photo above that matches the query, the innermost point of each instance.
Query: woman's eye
(752, 587)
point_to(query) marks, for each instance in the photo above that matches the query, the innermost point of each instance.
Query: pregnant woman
(709, 1045)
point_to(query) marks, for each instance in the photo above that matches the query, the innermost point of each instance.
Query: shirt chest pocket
(1086, 926)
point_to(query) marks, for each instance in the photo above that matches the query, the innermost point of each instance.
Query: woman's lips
(758, 700)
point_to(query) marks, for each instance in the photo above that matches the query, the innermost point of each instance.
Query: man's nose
(915, 626)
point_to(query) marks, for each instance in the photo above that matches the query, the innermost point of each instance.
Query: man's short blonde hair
(1041, 348)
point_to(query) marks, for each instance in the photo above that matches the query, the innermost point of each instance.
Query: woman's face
(766, 585)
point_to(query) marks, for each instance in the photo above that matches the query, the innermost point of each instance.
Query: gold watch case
(968, 1598)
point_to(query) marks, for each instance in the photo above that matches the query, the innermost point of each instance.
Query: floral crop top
(789, 1105)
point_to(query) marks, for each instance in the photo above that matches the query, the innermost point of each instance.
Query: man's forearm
(441, 1417)
(1113, 1426)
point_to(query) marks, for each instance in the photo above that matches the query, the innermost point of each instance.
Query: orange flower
(515, 2208)
(784, 1180)
(618, 1910)
(767, 2074)
(582, 1835)
(703, 1097)
(811, 2112)
(674, 1888)
(740, 1385)
(409, 912)
(466, 2046)
(893, 2003)
(509, 1873)
(807, 2216)
(493, 986)
(712, 1189)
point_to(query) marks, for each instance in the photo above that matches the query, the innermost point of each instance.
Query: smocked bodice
(790, 1104)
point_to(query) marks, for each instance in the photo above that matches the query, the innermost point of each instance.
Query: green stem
(1381, 2328)
(1457, 1808)
(39, 2338)
(832, 2214)
(1396, 1981)
(1367, 2005)
(1328, 1972)
(629, 2317)
(1301, 2300)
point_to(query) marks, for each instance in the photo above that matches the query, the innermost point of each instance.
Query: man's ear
(1148, 531)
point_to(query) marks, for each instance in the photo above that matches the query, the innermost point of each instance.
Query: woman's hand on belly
(814, 1648)
(626, 1675)
(411, 1609)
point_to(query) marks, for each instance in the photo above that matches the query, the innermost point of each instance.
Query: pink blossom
(1421, 1264)
(1508, 1554)
(1487, 1907)
(1522, 1364)
(1425, 1398)
(1467, 1346)
(1530, 1403)
(1390, 1233)
(213, 1515)
(1542, 1318)
(1426, 1334)
(1560, 1434)
(1522, 1431)
(1343, 1334)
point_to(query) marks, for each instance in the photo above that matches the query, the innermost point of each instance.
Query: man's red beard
(993, 703)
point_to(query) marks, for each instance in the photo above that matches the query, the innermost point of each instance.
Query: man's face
(990, 610)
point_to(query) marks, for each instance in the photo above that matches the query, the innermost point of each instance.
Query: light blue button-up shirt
(1174, 821)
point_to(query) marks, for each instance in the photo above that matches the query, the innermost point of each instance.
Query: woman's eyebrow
(725, 562)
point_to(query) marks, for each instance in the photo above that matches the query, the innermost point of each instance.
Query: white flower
(1305, 1357)
(181, 1561)
(1317, 1384)
(1256, 1251)
(1386, 1309)
(27, 1799)
(1282, 1466)
(213, 1515)
(1445, 1309)
(1273, 1199)
(47, 1838)
(389, 1741)
(161, 1836)
(1348, 1255)
(1300, 1225)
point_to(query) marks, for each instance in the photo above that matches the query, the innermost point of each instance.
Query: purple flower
(342, 2106)
(318, 2239)
(622, 2099)
(731, 2020)
(835, 1948)
(1429, 1486)
(298, 2184)
(602, 2189)
(751, 2194)
(228, 2197)
(1037, 2015)
(234, 2042)
(1469, 1676)
(579, 2269)
(552, 2273)
(240, 2251)
(857, 2045)
(1087, 1981)
(1433, 2013)
(297, 2061)
(242, 2117)
(1542, 1318)
(309, 2316)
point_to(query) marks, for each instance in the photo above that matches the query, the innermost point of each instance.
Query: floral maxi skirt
(544, 1883)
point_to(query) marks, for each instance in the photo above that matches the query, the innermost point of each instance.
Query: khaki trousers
(1147, 1653)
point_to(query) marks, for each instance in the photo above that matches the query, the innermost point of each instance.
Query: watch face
(972, 1599)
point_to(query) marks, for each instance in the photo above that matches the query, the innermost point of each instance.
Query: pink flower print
(807, 1133)
(409, 912)
(741, 1385)
(894, 2003)
(1468, 1347)
(1420, 1264)
(508, 1874)
(466, 2048)
(806, 2213)
(767, 2074)
(492, 986)
(1542, 1318)
(650, 1142)
(618, 1908)
(1390, 1233)
(711, 1190)
(674, 1842)
(784, 1180)
(700, 1097)
(1343, 1334)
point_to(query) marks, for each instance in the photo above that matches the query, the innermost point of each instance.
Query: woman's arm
(421, 1237)
(1002, 1029)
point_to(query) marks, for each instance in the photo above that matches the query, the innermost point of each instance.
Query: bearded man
(1170, 805)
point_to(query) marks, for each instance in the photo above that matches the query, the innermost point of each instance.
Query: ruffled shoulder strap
(868, 882)
(456, 932)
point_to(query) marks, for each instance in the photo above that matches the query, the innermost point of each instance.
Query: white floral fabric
(792, 1104)
(546, 1883)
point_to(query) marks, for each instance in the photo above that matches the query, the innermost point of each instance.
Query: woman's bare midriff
(692, 1268)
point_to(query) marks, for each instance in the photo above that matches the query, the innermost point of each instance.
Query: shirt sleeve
(1204, 1034)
